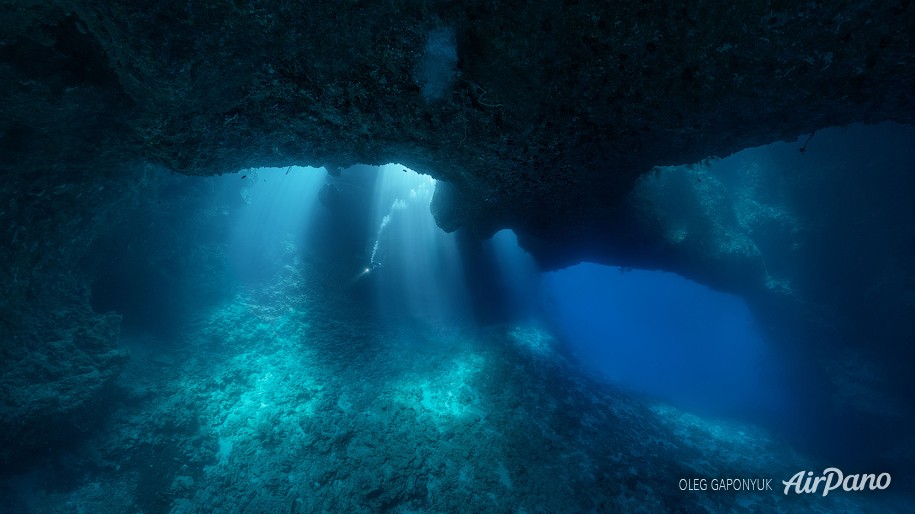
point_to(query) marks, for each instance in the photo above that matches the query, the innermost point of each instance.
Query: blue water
(302, 342)
(277, 210)
(663, 335)
(415, 267)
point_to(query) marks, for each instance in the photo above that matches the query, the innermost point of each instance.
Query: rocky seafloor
(283, 399)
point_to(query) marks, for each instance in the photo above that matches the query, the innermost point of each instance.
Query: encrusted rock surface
(539, 116)
(820, 244)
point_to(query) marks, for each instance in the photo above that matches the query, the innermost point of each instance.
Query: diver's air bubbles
(422, 276)
(397, 205)
(417, 191)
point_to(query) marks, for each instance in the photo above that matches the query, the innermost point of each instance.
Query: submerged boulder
(54, 379)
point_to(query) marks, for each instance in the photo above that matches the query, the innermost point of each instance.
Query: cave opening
(660, 334)
(297, 261)
(368, 231)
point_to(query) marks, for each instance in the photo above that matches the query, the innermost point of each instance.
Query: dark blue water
(660, 334)
(301, 342)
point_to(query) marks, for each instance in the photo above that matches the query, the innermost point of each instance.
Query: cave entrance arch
(660, 334)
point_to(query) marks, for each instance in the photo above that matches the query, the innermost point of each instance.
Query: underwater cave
(410, 257)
